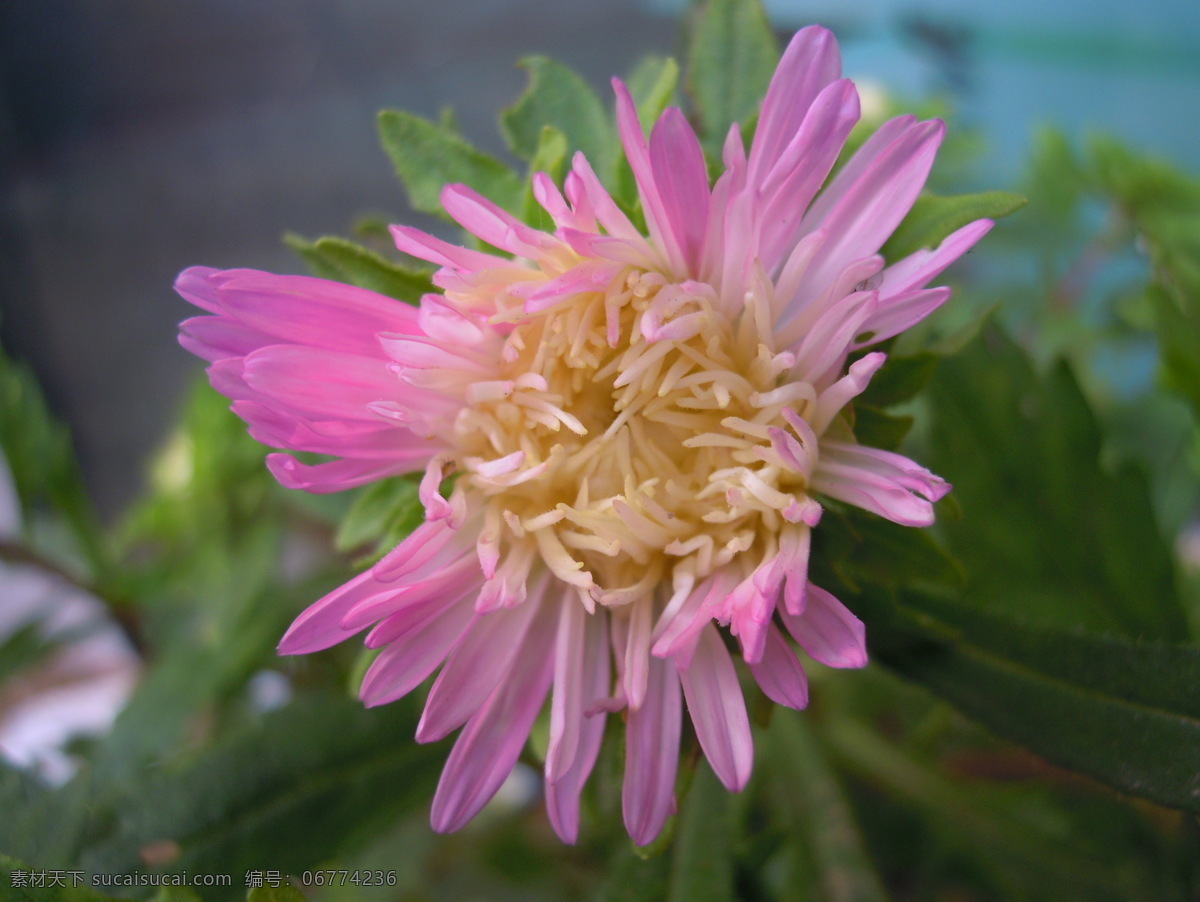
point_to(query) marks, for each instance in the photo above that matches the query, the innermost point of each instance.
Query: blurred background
(137, 138)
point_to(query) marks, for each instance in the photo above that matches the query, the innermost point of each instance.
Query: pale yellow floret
(645, 461)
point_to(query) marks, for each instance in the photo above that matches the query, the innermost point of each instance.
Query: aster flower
(642, 426)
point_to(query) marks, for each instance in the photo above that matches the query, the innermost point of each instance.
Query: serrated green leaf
(345, 261)
(375, 512)
(1124, 712)
(730, 61)
(1045, 531)
(933, 217)
(809, 799)
(256, 800)
(652, 85)
(557, 97)
(701, 861)
(428, 156)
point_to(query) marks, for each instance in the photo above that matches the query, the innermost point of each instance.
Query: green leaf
(900, 379)
(345, 261)
(652, 85)
(310, 781)
(285, 892)
(1034, 847)
(878, 429)
(37, 449)
(1124, 712)
(550, 158)
(932, 218)
(634, 879)
(1179, 343)
(887, 554)
(41, 826)
(428, 156)
(21, 883)
(557, 97)
(376, 511)
(1045, 531)
(809, 798)
(701, 861)
(730, 61)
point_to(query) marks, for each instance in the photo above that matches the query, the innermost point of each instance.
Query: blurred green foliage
(1030, 726)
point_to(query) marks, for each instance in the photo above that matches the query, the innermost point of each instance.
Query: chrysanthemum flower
(643, 428)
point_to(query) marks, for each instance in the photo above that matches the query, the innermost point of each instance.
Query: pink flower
(642, 428)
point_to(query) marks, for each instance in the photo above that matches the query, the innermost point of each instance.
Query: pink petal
(393, 608)
(917, 270)
(791, 184)
(653, 204)
(810, 62)
(637, 653)
(321, 383)
(193, 286)
(335, 476)
(314, 312)
(562, 792)
(850, 386)
(680, 175)
(443, 253)
(882, 482)
(827, 631)
(485, 220)
(718, 710)
(871, 208)
(779, 674)
(374, 441)
(214, 338)
(899, 312)
(652, 755)
(488, 747)
(320, 625)
(409, 659)
(479, 664)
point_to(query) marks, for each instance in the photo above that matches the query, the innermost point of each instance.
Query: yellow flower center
(629, 436)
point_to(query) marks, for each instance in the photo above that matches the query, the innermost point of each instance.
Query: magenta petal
(652, 755)
(488, 747)
(194, 286)
(315, 312)
(335, 476)
(320, 625)
(214, 338)
(718, 710)
(827, 631)
(322, 383)
(779, 674)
